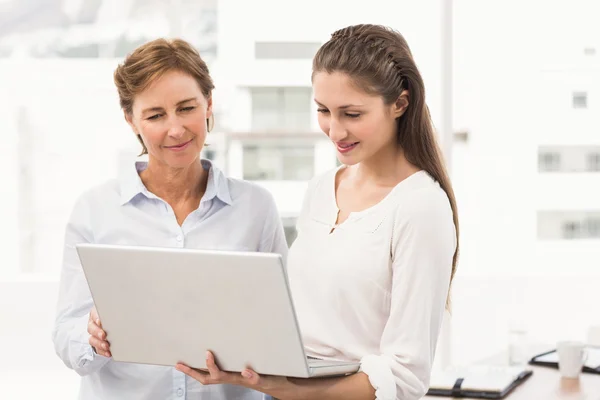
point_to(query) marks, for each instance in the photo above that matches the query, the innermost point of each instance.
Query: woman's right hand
(97, 335)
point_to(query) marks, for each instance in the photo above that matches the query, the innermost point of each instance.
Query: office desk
(547, 384)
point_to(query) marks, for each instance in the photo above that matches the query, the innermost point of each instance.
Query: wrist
(286, 391)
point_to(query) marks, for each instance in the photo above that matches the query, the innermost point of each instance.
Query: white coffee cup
(571, 357)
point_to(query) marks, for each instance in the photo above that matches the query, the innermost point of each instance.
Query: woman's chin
(348, 159)
(182, 160)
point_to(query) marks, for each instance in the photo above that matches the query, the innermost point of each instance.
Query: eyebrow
(160, 108)
(341, 107)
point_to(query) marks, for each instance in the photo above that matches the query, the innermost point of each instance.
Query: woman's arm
(353, 387)
(423, 245)
(70, 334)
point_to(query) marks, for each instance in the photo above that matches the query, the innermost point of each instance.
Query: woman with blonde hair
(173, 200)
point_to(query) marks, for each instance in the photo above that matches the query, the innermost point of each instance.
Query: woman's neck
(386, 168)
(175, 185)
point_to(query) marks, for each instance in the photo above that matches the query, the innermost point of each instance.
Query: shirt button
(179, 238)
(179, 392)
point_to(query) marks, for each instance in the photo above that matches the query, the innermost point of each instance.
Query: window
(568, 225)
(569, 159)
(580, 100)
(593, 162)
(278, 162)
(548, 161)
(593, 226)
(285, 50)
(570, 230)
(281, 109)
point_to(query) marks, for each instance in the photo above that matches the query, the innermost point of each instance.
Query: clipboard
(550, 359)
(478, 382)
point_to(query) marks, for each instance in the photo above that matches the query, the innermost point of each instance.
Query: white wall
(549, 309)
(494, 171)
(564, 124)
(9, 238)
(78, 133)
(29, 368)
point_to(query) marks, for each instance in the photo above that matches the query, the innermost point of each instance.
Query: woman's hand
(275, 386)
(97, 335)
(354, 387)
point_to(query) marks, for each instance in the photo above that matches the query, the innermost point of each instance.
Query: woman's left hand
(272, 385)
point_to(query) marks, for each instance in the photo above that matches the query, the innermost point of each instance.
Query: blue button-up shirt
(232, 215)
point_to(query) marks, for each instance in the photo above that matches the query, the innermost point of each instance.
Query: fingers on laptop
(211, 365)
(97, 335)
(201, 376)
(100, 346)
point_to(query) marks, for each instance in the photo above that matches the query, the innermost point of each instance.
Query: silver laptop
(162, 306)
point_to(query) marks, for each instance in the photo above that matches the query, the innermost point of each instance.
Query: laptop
(162, 306)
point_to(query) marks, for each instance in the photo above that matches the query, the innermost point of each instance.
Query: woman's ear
(129, 119)
(209, 107)
(401, 104)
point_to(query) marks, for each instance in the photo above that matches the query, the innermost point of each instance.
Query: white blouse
(374, 290)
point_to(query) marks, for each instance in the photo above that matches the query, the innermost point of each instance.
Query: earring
(139, 138)
(210, 123)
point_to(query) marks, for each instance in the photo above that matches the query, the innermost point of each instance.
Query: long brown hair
(379, 61)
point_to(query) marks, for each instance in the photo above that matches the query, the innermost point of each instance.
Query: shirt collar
(131, 184)
(217, 185)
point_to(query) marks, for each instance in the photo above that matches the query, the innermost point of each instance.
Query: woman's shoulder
(103, 193)
(95, 199)
(241, 189)
(323, 182)
(422, 199)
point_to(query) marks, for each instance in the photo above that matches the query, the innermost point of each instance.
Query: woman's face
(170, 115)
(359, 124)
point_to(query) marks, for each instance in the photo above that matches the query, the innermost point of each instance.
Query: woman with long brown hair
(377, 243)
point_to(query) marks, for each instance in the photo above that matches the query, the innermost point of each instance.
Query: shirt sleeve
(70, 336)
(422, 249)
(273, 237)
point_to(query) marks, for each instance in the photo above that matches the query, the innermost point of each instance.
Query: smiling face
(170, 115)
(359, 124)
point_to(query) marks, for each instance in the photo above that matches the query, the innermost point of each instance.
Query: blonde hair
(150, 61)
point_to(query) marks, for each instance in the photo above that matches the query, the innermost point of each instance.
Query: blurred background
(513, 87)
